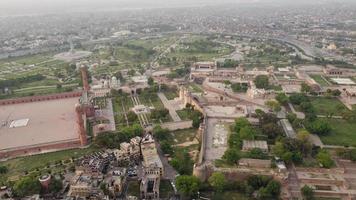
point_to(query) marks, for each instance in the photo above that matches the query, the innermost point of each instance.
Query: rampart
(40, 98)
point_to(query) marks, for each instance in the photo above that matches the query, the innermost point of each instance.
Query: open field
(19, 166)
(193, 49)
(343, 133)
(324, 106)
(225, 195)
(182, 136)
(319, 80)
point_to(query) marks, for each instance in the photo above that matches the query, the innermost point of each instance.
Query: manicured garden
(326, 105)
(23, 165)
(343, 133)
(320, 80)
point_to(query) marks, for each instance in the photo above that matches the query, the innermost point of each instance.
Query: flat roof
(37, 123)
(343, 81)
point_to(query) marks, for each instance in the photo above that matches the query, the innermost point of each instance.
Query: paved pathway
(300, 115)
(169, 106)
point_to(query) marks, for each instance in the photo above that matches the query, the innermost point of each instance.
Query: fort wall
(39, 148)
(40, 98)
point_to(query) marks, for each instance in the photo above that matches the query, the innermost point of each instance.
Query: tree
(188, 185)
(131, 72)
(231, 155)
(217, 181)
(307, 192)
(159, 114)
(282, 98)
(257, 153)
(3, 169)
(55, 185)
(131, 116)
(59, 86)
(27, 186)
(303, 135)
(182, 162)
(166, 147)
(272, 130)
(325, 159)
(271, 191)
(247, 133)
(227, 82)
(241, 122)
(273, 105)
(305, 88)
(160, 134)
(150, 81)
(298, 98)
(319, 126)
(262, 81)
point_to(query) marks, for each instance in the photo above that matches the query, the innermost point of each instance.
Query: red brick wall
(40, 98)
(39, 149)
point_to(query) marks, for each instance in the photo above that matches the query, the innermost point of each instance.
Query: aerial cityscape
(169, 99)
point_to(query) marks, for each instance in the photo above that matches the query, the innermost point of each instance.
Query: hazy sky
(23, 7)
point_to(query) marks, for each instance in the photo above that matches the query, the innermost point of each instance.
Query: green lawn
(193, 87)
(324, 106)
(18, 166)
(231, 195)
(171, 94)
(184, 114)
(319, 80)
(343, 133)
(186, 135)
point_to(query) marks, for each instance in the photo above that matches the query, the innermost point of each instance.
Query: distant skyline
(25, 7)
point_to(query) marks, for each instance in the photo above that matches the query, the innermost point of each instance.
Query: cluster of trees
(273, 105)
(239, 87)
(21, 80)
(164, 137)
(228, 63)
(182, 162)
(241, 130)
(140, 53)
(3, 169)
(160, 114)
(324, 159)
(307, 192)
(194, 115)
(262, 82)
(113, 139)
(282, 98)
(29, 185)
(296, 150)
(293, 150)
(269, 125)
(179, 73)
(312, 123)
(335, 93)
(265, 187)
(201, 46)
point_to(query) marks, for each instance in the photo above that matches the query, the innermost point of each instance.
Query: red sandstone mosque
(40, 124)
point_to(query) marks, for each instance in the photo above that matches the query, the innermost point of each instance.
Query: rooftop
(37, 123)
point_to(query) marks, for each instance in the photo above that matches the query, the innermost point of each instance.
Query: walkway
(300, 115)
(168, 105)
